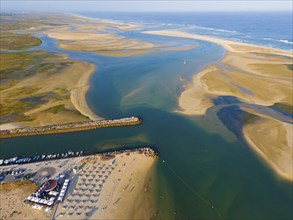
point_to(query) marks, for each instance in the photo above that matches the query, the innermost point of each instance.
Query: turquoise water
(200, 175)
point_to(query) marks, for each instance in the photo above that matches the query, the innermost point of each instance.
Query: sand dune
(101, 43)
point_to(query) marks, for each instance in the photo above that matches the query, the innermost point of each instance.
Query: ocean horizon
(270, 29)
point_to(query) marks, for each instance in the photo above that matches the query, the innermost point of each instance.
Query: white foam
(285, 41)
(213, 29)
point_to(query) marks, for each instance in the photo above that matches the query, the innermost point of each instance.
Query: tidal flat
(254, 75)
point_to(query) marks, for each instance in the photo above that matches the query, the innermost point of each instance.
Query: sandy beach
(103, 190)
(109, 22)
(247, 63)
(231, 46)
(254, 75)
(273, 143)
(78, 95)
(12, 196)
(115, 186)
(106, 44)
(104, 37)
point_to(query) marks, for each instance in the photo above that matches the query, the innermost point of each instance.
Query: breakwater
(69, 127)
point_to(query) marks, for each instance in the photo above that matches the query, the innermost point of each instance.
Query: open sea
(271, 29)
(205, 169)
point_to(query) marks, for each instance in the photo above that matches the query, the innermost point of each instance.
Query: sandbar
(243, 67)
(254, 75)
(78, 95)
(273, 143)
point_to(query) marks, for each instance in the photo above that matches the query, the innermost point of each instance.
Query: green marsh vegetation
(18, 96)
(56, 109)
(11, 41)
(19, 65)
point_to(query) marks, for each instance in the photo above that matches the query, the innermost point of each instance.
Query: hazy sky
(138, 5)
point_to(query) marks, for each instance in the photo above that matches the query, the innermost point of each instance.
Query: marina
(45, 157)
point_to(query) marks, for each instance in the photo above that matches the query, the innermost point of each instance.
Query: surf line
(194, 191)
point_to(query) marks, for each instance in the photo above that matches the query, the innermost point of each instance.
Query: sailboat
(184, 61)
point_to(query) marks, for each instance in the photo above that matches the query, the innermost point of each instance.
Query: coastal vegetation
(34, 86)
(23, 96)
(16, 66)
(18, 21)
(12, 41)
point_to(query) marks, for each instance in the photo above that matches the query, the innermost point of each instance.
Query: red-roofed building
(49, 185)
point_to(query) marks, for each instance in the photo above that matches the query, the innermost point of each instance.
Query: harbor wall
(70, 127)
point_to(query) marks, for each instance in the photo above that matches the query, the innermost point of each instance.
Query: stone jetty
(69, 127)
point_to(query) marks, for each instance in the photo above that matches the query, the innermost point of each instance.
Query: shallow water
(200, 174)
